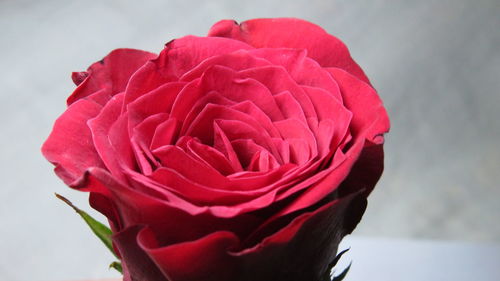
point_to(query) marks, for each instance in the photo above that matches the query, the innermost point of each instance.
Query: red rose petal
(144, 131)
(136, 204)
(212, 97)
(69, 145)
(366, 171)
(300, 250)
(111, 73)
(302, 69)
(325, 105)
(209, 156)
(283, 148)
(247, 149)
(251, 200)
(263, 161)
(324, 135)
(137, 265)
(165, 134)
(369, 115)
(293, 130)
(78, 77)
(223, 144)
(141, 139)
(241, 88)
(235, 124)
(176, 159)
(277, 80)
(159, 100)
(250, 109)
(332, 178)
(329, 108)
(290, 107)
(202, 259)
(238, 60)
(178, 57)
(237, 130)
(303, 249)
(324, 48)
(100, 127)
(187, 52)
(170, 182)
(119, 139)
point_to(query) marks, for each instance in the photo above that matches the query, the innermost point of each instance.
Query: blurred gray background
(436, 64)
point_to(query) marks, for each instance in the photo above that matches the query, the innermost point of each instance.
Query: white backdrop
(436, 64)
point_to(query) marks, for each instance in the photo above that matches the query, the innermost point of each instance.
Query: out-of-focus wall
(436, 64)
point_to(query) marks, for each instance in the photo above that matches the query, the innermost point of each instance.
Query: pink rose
(244, 155)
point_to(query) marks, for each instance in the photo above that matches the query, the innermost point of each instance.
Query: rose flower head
(245, 155)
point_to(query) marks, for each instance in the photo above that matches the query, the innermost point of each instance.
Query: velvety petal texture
(244, 155)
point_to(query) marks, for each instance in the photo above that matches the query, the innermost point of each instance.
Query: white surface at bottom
(376, 259)
(419, 260)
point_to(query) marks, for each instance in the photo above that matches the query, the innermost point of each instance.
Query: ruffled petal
(324, 48)
(137, 265)
(109, 75)
(283, 255)
(202, 259)
(70, 147)
(178, 57)
(100, 127)
(369, 115)
(302, 249)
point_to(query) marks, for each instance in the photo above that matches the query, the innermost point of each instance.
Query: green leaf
(99, 229)
(116, 265)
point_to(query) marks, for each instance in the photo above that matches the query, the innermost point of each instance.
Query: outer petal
(370, 122)
(366, 171)
(108, 76)
(303, 249)
(369, 115)
(326, 49)
(70, 145)
(176, 220)
(204, 259)
(137, 265)
(299, 251)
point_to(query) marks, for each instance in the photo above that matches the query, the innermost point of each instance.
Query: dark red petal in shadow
(136, 263)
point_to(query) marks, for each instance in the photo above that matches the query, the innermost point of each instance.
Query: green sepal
(116, 265)
(329, 274)
(99, 229)
(341, 276)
